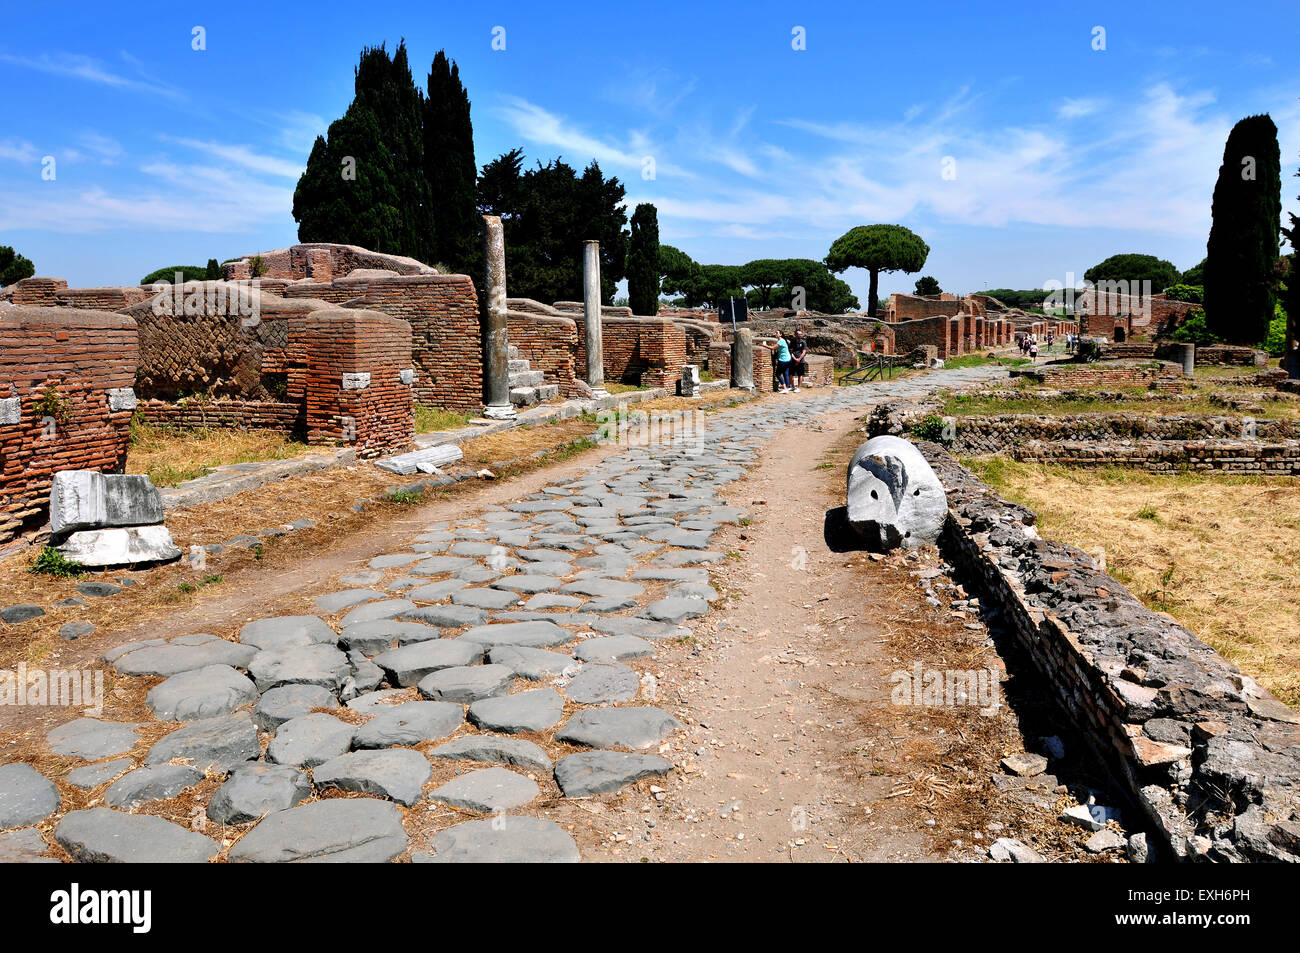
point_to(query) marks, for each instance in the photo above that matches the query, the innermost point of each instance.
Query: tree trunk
(871, 295)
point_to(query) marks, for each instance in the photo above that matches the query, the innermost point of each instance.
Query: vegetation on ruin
(983, 360)
(433, 419)
(1242, 251)
(209, 272)
(52, 404)
(877, 248)
(1195, 294)
(13, 266)
(1215, 552)
(928, 285)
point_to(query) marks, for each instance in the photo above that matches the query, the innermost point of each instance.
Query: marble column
(496, 346)
(742, 360)
(591, 318)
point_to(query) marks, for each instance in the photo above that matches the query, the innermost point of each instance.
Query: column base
(500, 412)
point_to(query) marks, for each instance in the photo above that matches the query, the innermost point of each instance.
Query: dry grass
(1218, 553)
(960, 405)
(434, 419)
(170, 457)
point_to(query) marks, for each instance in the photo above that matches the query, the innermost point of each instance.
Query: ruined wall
(321, 262)
(904, 307)
(1157, 375)
(550, 343)
(55, 293)
(351, 379)
(192, 414)
(919, 332)
(648, 352)
(1210, 758)
(88, 358)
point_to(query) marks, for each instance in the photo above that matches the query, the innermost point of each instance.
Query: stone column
(742, 360)
(1188, 359)
(591, 318)
(496, 346)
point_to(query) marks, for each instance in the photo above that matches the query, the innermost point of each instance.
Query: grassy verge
(1215, 552)
(169, 457)
(982, 360)
(434, 419)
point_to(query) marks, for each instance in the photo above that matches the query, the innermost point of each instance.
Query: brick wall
(82, 354)
(935, 331)
(232, 414)
(375, 418)
(321, 261)
(55, 293)
(904, 307)
(648, 352)
(1157, 375)
(550, 343)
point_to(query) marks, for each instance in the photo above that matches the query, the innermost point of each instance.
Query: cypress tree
(643, 261)
(449, 169)
(1241, 255)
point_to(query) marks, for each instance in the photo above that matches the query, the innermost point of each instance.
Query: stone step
(548, 391)
(512, 353)
(527, 378)
(517, 364)
(524, 396)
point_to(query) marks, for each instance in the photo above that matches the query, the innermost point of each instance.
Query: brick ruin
(967, 325)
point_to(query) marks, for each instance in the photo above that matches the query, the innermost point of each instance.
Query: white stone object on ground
(894, 498)
(407, 463)
(120, 546)
(690, 386)
(86, 499)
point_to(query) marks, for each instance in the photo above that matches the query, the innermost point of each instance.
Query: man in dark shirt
(798, 358)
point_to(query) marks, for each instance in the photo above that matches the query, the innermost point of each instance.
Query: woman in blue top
(782, 363)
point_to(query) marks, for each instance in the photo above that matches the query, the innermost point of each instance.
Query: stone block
(407, 376)
(121, 398)
(10, 411)
(356, 381)
(120, 547)
(87, 499)
(423, 461)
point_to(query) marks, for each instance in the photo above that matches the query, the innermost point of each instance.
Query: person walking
(798, 359)
(782, 363)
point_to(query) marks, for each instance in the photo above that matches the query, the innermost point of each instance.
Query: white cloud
(1078, 108)
(18, 150)
(243, 156)
(91, 70)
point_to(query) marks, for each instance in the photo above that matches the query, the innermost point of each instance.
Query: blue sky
(1063, 154)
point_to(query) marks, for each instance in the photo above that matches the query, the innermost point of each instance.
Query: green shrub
(929, 427)
(188, 273)
(1181, 292)
(51, 562)
(1194, 330)
(1275, 343)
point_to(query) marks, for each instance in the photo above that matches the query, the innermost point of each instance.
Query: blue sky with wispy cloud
(1063, 154)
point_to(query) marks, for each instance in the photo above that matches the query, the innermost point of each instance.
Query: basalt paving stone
(184, 654)
(322, 665)
(557, 541)
(393, 560)
(409, 723)
(485, 598)
(384, 609)
(684, 539)
(26, 796)
(333, 602)
(437, 565)
(431, 547)
(557, 569)
(477, 549)
(600, 587)
(616, 564)
(667, 574)
(408, 665)
(600, 772)
(519, 537)
(613, 648)
(92, 739)
(550, 600)
(372, 638)
(467, 683)
(291, 701)
(93, 775)
(448, 617)
(154, 783)
(608, 604)
(309, 740)
(675, 609)
(372, 703)
(697, 558)
(537, 633)
(478, 574)
(398, 774)
(20, 613)
(435, 537)
(631, 547)
(487, 791)
(203, 693)
(528, 583)
(366, 675)
(25, 846)
(75, 630)
(437, 591)
(211, 745)
(471, 535)
(534, 710)
(645, 628)
(694, 590)
(403, 583)
(539, 506)
(286, 631)
(486, 748)
(102, 835)
(366, 577)
(603, 683)
(256, 790)
(618, 727)
(532, 664)
(337, 830)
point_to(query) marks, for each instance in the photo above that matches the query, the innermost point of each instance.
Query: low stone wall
(1157, 375)
(1203, 752)
(232, 414)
